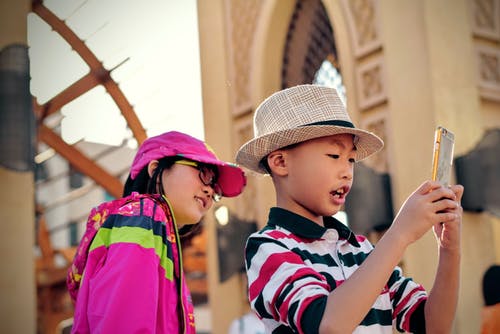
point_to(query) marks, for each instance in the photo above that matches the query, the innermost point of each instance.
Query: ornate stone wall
(241, 18)
(485, 21)
(371, 95)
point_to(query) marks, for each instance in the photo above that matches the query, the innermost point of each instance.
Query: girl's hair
(143, 184)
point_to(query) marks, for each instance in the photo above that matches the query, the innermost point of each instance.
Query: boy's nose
(348, 172)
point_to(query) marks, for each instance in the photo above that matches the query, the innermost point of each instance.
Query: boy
(307, 272)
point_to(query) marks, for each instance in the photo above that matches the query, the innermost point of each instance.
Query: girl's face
(189, 197)
(319, 176)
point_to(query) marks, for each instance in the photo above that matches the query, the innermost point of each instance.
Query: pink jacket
(133, 279)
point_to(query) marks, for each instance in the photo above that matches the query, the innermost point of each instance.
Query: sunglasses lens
(206, 175)
(209, 178)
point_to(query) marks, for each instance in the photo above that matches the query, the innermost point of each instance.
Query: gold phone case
(444, 142)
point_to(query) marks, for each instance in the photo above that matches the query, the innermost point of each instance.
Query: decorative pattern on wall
(377, 124)
(363, 23)
(370, 83)
(488, 59)
(246, 204)
(242, 18)
(485, 17)
(362, 20)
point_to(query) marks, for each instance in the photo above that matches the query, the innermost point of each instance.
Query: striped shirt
(293, 264)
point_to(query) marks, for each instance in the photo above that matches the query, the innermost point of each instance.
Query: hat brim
(231, 179)
(251, 153)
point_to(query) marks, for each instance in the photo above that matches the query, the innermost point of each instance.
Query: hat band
(333, 122)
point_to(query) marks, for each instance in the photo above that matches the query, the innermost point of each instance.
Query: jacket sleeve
(282, 287)
(123, 283)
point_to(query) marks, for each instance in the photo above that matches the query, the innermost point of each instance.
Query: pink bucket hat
(231, 180)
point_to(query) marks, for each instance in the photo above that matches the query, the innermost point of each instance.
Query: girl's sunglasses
(207, 174)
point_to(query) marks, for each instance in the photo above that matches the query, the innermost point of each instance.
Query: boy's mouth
(341, 192)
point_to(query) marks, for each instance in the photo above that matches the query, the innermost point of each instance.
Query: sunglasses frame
(200, 167)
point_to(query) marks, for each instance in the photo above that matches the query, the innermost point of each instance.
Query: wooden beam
(81, 162)
(77, 89)
(96, 68)
(62, 29)
(127, 111)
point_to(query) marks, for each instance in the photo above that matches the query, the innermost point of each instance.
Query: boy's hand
(430, 205)
(448, 234)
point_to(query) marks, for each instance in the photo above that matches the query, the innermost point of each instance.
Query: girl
(127, 275)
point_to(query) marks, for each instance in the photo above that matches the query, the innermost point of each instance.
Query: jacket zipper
(179, 252)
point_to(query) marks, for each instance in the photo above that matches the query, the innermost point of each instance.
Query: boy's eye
(336, 156)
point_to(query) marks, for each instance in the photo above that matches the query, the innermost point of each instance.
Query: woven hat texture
(298, 114)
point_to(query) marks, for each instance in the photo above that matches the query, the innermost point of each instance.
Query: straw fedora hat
(297, 114)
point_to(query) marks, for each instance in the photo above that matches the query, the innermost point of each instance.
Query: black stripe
(282, 329)
(399, 292)
(261, 308)
(329, 279)
(395, 276)
(380, 317)
(311, 318)
(417, 320)
(350, 259)
(314, 258)
(291, 314)
(253, 245)
(333, 122)
(146, 223)
(284, 294)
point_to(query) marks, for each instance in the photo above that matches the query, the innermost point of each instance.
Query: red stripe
(277, 235)
(406, 322)
(403, 302)
(269, 267)
(360, 238)
(285, 307)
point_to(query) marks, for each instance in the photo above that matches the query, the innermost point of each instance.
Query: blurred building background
(404, 67)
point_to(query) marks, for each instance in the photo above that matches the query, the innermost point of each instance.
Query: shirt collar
(306, 228)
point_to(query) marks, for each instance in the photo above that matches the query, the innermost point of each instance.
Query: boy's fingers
(440, 194)
(445, 205)
(458, 190)
(428, 186)
(446, 217)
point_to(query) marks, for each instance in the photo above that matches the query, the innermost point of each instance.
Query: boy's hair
(263, 164)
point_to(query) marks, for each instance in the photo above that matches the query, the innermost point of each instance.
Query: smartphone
(444, 142)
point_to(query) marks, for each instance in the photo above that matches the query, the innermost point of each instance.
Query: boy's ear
(152, 165)
(277, 162)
